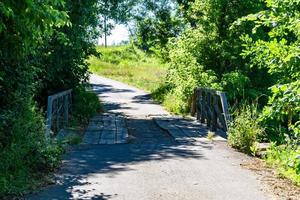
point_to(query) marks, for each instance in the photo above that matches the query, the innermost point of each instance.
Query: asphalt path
(152, 166)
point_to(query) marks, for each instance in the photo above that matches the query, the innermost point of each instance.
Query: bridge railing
(211, 107)
(58, 109)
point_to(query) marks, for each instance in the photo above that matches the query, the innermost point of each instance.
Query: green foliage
(154, 27)
(185, 73)
(24, 154)
(112, 12)
(85, 105)
(43, 49)
(130, 65)
(159, 93)
(23, 27)
(68, 50)
(74, 139)
(236, 82)
(286, 160)
(283, 112)
(207, 54)
(245, 129)
(279, 54)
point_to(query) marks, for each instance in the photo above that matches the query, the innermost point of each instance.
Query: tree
(62, 59)
(207, 52)
(23, 27)
(154, 28)
(279, 54)
(114, 11)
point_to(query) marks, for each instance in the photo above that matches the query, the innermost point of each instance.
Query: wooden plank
(225, 107)
(214, 113)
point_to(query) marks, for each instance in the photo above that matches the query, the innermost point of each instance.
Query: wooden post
(49, 117)
(66, 110)
(198, 104)
(225, 108)
(206, 104)
(203, 106)
(209, 113)
(194, 103)
(214, 112)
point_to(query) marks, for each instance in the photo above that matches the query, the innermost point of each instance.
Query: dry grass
(280, 187)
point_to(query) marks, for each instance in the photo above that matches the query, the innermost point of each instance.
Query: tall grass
(129, 65)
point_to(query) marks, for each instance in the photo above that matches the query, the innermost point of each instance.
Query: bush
(85, 105)
(159, 93)
(245, 129)
(24, 154)
(282, 115)
(287, 161)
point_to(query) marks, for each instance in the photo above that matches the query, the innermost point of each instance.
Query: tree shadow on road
(150, 143)
(147, 143)
(102, 88)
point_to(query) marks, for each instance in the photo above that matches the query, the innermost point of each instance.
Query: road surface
(152, 166)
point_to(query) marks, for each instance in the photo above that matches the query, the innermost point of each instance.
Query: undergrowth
(26, 158)
(286, 160)
(245, 129)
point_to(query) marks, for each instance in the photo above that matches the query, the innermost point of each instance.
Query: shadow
(143, 99)
(103, 88)
(188, 127)
(82, 167)
(115, 107)
(87, 170)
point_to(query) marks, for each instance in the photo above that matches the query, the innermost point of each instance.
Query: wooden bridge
(211, 107)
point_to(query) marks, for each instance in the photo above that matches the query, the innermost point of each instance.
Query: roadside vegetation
(43, 50)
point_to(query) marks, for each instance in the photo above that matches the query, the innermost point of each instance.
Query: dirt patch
(280, 187)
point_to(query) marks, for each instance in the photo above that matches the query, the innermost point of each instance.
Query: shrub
(235, 83)
(175, 104)
(85, 105)
(159, 93)
(24, 154)
(245, 129)
(283, 113)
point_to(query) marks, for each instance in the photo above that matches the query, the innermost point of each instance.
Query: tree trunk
(105, 31)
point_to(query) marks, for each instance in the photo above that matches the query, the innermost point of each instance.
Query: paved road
(153, 166)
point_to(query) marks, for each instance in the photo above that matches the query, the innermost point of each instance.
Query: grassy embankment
(129, 65)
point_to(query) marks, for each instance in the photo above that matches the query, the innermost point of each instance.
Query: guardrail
(211, 107)
(58, 110)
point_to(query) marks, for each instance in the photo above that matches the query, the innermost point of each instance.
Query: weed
(245, 129)
(286, 159)
(210, 136)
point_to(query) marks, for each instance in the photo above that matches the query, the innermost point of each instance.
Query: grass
(129, 65)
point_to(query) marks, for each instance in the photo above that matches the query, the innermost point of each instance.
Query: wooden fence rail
(58, 110)
(211, 107)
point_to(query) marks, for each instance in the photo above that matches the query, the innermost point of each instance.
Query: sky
(119, 34)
